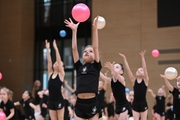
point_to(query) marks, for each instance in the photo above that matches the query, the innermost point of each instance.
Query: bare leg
(53, 114)
(136, 115)
(144, 115)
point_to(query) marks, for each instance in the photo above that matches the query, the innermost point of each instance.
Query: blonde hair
(8, 91)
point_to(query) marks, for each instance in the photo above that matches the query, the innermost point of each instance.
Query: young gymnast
(87, 105)
(140, 83)
(44, 96)
(27, 105)
(56, 76)
(169, 110)
(7, 106)
(118, 84)
(35, 89)
(160, 103)
(176, 95)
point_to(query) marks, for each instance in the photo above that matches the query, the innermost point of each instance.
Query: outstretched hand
(108, 65)
(122, 55)
(149, 90)
(95, 22)
(69, 23)
(163, 76)
(47, 44)
(55, 45)
(142, 53)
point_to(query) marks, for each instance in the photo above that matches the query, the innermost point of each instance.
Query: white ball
(101, 22)
(131, 118)
(170, 73)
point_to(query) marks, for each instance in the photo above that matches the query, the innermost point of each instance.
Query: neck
(5, 101)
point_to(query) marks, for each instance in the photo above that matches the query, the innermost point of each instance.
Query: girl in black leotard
(118, 88)
(140, 83)
(7, 105)
(176, 95)
(88, 70)
(27, 105)
(56, 76)
(160, 103)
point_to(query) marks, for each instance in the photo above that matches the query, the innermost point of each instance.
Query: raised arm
(130, 74)
(114, 73)
(68, 87)
(50, 70)
(58, 59)
(73, 27)
(106, 82)
(146, 77)
(151, 92)
(169, 86)
(105, 78)
(164, 92)
(95, 41)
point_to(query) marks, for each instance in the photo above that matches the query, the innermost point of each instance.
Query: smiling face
(88, 55)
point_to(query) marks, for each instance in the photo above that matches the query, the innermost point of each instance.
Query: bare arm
(164, 92)
(58, 59)
(130, 75)
(115, 74)
(68, 87)
(73, 27)
(11, 114)
(105, 78)
(70, 111)
(16, 103)
(146, 77)
(95, 41)
(169, 86)
(48, 58)
(152, 93)
(32, 106)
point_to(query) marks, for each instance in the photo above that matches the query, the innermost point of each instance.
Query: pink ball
(2, 116)
(80, 12)
(0, 76)
(155, 53)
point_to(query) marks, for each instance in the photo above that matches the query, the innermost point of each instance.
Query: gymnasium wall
(17, 45)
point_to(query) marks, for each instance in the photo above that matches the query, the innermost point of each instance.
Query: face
(4, 95)
(100, 86)
(118, 68)
(56, 65)
(178, 83)
(72, 100)
(131, 95)
(25, 95)
(160, 92)
(140, 72)
(88, 55)
(38, 83)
